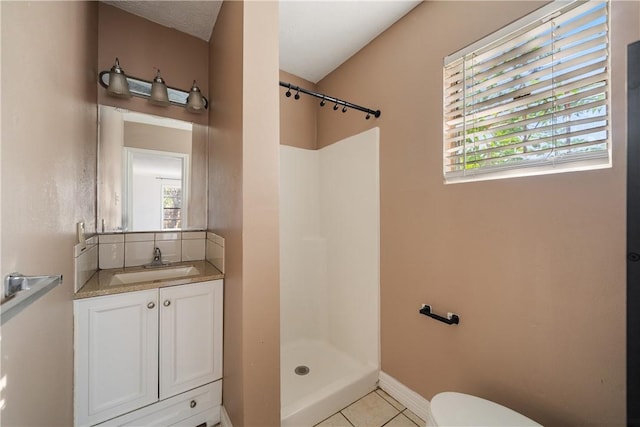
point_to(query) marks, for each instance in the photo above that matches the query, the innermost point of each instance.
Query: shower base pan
(333, 381)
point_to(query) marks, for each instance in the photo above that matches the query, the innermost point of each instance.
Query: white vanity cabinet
(190, 337)
(116, 356)
(151, 357)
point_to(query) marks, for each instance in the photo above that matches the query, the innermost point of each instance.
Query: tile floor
(376, 409)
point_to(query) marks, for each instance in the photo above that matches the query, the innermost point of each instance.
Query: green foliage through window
(171, 207)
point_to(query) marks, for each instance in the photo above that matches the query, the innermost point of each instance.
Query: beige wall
(153, 137)
(225, 188)
(243, 208)
(298, 122)
(142, 46)
(48, 184)
(260, 182)
(534, 266)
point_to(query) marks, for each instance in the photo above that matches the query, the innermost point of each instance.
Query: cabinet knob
(167, 303)
(151, 305)
(193, 404)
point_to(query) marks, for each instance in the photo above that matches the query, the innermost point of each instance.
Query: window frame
(575, 161)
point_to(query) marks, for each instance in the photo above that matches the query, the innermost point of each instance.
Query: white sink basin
(154, 274)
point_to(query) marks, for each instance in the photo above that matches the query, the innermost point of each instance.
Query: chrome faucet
(157, 259)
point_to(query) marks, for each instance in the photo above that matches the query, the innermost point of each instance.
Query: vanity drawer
(191, 408)
(203, 419)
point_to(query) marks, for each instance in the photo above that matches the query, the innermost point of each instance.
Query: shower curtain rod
(326, 98)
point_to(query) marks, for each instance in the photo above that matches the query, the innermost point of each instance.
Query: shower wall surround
(329, 269)
(329, 244)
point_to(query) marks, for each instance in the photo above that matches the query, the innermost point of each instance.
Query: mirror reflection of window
(154, 188)
(171, 207)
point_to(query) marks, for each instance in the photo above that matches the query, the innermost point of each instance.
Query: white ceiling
(316, 36)
(191, 17)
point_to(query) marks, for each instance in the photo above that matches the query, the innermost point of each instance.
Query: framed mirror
(151, 172)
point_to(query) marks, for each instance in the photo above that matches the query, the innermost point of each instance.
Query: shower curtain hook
(344, 109)
(335, 107)
(297, 94)
(322, 103)
(288, 94)
(368, 116)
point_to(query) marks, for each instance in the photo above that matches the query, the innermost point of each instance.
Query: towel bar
(451, 319)
(20, 291)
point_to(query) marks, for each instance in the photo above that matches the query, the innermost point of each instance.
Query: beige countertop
(100, 283)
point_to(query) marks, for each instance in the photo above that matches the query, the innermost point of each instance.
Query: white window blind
(533, 97)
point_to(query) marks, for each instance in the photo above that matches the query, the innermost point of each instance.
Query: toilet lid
(458, 409)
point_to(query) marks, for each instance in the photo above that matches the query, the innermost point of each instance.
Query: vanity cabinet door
(116, 340)
(190, 336)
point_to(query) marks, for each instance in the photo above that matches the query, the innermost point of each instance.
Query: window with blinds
(532, 98)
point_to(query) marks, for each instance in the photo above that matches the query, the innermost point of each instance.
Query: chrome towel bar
(20, 291)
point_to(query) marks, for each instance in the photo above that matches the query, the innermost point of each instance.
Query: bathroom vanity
(149, 352)
(148, 336)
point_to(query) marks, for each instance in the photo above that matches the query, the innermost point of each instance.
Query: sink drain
(301, 370)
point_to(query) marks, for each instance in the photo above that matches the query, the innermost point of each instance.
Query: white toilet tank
(462, 410)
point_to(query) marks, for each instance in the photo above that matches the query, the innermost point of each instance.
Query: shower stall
(329, 280)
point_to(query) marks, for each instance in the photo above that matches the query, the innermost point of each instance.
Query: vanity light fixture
(156, 91)
(195, 100)
(118, 85)
(159, 94)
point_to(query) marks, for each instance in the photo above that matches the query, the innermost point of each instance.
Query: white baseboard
(407, 397)
(225, 421)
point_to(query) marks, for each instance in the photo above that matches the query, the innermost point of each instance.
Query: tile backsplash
(193, 246)
(138, 253)
(120, 250)
(110, 251)
(215, 250)
(135, 249)
(85, 261)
